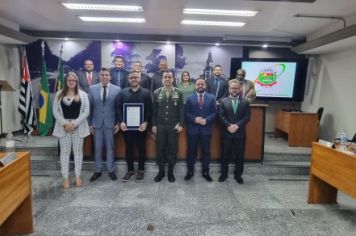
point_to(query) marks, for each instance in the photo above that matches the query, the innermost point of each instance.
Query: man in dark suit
(200, 112)
(145, 79)
(88, 76)
(119, 76)
(217, 84)
(156, 81)
(234, 113)
(103, 122)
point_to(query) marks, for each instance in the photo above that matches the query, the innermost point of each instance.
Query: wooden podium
(301, 127)
(331, 170)
(15, 196)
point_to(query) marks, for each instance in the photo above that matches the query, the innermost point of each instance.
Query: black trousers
(138, 139)
(193, 143)
(233, 150)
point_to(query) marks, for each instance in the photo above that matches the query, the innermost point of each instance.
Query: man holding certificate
(134, 114)
(167, 121)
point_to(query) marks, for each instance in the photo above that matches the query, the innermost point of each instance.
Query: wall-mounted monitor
(274, 79)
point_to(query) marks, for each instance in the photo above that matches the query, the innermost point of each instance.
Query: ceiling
(274, 18)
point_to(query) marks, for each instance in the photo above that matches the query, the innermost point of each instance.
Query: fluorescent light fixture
(217, 44)
(101, 7)
(112, 19)
(66, 39)
(257, 38)
(265, 45)
(214, 23)
(168, 42)
(216, 12)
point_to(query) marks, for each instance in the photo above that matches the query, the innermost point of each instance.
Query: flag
(60, 79)
(26, 104)
(45, 117)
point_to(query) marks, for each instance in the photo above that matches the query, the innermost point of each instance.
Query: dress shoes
(139, 176)
(159, 176)
(127, 176)
(171, 178)
(239, 180)
(112, 176)
(189, 175)
(222, 178)
(207, 177)
(95, 176)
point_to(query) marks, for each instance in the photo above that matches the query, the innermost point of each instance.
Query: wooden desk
(301, 127)
(16, 196)
(331, 170)
(254, 139)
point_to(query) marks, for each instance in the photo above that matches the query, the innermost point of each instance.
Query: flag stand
(4, 86)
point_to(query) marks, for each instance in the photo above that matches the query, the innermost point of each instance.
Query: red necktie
(200, 101)
(89, 78)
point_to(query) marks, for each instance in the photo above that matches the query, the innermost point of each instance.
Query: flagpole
(33, 99)
(59, 63)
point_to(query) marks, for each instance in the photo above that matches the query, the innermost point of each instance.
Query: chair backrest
(320, 113)
(354, 138)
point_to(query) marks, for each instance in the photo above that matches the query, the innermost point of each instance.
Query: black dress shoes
(95, 176)
(189, 175)
(239, 180)
(222, 178)
(159, 176)
(112, 176)
(207, 177)
(171, 178)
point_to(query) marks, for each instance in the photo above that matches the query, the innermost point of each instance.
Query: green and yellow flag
(45, 117)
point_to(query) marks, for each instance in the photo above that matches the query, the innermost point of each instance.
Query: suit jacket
(208, 112)
(114, 72)
(145, 81)
(81, 122)
(241, 118)
(223, 88)
(83, 80)
(103, 114)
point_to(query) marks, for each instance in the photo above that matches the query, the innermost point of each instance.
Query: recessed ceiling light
(66, 39)
(217, 44)
(195, 11)
(112, 19)
(215, 23)
(168, 42)
(101, 7)
(265, 45)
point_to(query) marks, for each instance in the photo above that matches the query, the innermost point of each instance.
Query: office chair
(320, 113)
(353, 139)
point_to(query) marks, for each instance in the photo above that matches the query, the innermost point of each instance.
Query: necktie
(234, 105)
(104, 94)
(217, 86)
(200, 101)
(89, 78)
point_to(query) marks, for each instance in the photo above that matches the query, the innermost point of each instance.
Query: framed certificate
(133, 115)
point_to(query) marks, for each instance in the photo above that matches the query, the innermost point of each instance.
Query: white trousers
(66, 143)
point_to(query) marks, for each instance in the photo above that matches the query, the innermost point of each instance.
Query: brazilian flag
(45, 117)
(60, 79)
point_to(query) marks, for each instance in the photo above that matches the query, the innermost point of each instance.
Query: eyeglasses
(71, 80)
(134, 77)
(240, 74)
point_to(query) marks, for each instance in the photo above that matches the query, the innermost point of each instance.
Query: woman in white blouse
(71, 109)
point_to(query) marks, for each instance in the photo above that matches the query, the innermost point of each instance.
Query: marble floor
(264, 205)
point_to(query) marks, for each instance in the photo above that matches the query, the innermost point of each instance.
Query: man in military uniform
(167, 122)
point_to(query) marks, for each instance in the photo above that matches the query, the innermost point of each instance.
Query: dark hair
(65, 86)
(121, 57)
(184, 72)
(217, 66)
(104, 69)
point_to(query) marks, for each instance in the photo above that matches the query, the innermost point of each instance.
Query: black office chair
(354, 138)
(320, 113)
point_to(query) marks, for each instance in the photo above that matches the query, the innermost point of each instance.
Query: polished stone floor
(264, 205)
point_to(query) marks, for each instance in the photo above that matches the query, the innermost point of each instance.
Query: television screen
(275, 79)
(271, 79)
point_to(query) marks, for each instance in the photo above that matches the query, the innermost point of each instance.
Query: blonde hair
(64, 91)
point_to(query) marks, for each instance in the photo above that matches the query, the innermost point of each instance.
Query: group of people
(96, 104)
